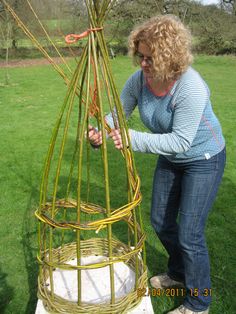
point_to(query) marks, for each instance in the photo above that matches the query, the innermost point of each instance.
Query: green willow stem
(105, 165)
(48, 37)
(123, 128)
(33, 39)
(88, 146)
(109, 96)
(43, 189)
(81, 136)
(70, 106)
(74, 155)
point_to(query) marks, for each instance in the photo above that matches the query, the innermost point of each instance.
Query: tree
(179, 8)
(229, 5)
(213, 26)
(214, 30)
(126, 14)
(5, 28)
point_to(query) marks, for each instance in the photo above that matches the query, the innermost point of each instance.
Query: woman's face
(144, 56)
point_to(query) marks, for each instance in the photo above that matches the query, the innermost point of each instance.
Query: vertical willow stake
(81, 237)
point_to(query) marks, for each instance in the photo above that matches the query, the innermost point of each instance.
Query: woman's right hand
(94, 136)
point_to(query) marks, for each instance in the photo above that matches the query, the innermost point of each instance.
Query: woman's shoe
(183, 310)
(164, 281)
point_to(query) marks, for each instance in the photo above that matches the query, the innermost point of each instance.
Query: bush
(215, 30)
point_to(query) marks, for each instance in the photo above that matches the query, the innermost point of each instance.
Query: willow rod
(70, 106)
(43, 188)
(60, 71)
(75, 81)
(105, 165)
(125, 257)
(105, 161)
(124, 135)
(21, 24)
(81, 136)
(48, 37)
(104, 52)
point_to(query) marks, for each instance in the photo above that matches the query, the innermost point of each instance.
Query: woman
(174, 104)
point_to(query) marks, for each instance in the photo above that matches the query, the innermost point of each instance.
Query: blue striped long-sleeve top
(182, 124)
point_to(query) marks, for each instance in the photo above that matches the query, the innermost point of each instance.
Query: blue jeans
(183, 194)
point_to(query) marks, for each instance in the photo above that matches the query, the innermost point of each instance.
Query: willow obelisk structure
(77, 215)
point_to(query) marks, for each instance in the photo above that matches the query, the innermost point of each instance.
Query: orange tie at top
(72, 38)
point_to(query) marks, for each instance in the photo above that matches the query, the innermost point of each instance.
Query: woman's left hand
(116, 136)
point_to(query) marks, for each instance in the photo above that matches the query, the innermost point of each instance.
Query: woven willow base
(93, 252)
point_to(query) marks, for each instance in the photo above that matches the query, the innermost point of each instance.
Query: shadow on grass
(221, 238)
(29, 235)
(25, 173)
(29, 243)
(6, 292)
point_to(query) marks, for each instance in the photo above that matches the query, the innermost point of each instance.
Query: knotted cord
(73, 38)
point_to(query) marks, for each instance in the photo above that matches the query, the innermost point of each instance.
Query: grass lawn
(29, 107)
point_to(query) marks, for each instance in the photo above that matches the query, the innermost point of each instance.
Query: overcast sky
(209, 1)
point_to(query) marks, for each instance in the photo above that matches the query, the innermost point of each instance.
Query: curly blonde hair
(170, 43)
